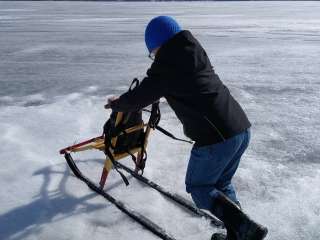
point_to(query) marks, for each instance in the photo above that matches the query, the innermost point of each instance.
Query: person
(182, 73)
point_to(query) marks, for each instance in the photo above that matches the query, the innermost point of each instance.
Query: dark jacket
(183, 74)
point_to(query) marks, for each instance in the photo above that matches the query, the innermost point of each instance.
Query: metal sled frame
(97, 143)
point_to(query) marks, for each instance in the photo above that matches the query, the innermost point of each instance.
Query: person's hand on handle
(110, 99)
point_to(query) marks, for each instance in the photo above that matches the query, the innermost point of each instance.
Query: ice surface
(60, 60)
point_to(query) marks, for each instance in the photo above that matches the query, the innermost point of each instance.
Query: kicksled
(126, 135)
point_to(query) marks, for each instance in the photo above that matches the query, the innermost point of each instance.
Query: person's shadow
(48, 206)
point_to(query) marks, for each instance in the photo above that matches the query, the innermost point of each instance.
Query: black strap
(155, 119)
(116, 166)
(143, 156)
(155, 115)
(135, 83)
(165, 132)
(143, 153)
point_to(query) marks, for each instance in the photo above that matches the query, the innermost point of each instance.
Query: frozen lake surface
(60, 60)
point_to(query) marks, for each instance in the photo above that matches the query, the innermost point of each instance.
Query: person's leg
(224, 183)
(197, 184)
(206, 165)
(239, 226)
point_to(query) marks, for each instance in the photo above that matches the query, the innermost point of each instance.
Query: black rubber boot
(238, 224)
(219, 236)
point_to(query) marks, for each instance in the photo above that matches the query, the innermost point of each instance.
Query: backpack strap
(154, 123)
(116, 166)
(165, 132)
(135, 83)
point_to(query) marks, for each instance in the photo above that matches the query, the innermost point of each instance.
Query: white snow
(60, 60)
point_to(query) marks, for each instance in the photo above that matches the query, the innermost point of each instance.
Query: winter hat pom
(159, 30)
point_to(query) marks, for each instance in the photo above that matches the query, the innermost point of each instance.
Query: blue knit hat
(159, 30)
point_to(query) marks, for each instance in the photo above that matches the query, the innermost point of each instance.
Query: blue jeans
(212, 167)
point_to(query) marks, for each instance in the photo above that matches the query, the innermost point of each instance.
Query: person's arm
(152, 88)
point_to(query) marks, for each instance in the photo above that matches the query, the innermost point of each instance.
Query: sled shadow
(47, 207)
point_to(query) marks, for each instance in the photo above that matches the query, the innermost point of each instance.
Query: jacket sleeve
(151, 88)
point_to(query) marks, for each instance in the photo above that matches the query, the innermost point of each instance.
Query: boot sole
(259, 234)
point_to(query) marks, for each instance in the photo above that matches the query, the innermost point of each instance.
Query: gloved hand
(110, 99)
